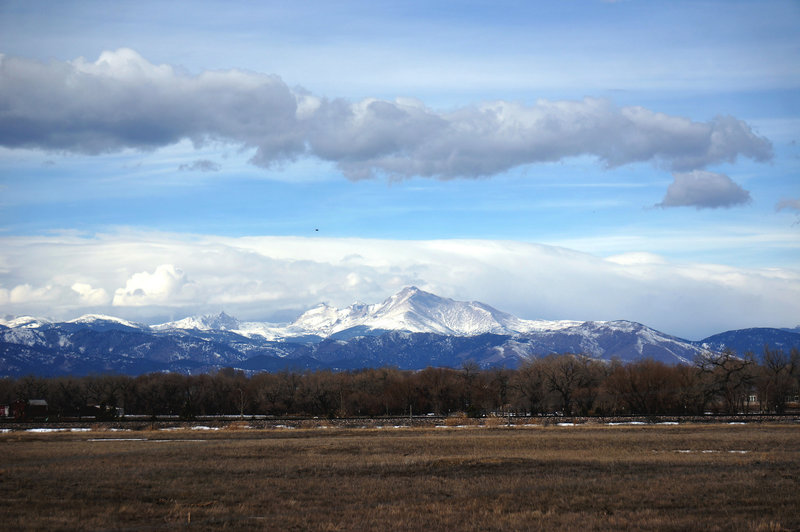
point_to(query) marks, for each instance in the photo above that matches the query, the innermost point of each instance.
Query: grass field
(654, 477)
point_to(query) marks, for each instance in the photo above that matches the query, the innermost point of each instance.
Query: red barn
(30, 409)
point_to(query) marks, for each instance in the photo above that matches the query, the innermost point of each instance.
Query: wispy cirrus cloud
(788, 204)
(124, 101)
(200, 165)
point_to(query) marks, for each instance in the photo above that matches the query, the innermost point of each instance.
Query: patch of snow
(709, 451)
(268, 331)
(23, 336)
(221, 322)
(417, 311)
(117, 439)
(27, 322)
(94, 318)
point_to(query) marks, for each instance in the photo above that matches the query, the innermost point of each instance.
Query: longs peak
(413, 310)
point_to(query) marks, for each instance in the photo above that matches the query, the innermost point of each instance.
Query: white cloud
(200, 165)
(167, 285)
(26, 293)
(276, 278)
(704, 190)
(636, 258)
(123, 101)
(89, 295)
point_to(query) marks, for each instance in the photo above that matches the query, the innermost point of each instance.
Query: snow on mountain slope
(29, 336)
(220, 322)
(224, 322)
(411, 310)
(325, 320)
(415, 310)
(412, 329)
(101, 319)
(29, 322)
(626, 340)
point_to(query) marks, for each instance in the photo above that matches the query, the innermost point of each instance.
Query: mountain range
(412, 329)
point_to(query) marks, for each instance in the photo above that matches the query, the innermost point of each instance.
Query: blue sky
(163, 159)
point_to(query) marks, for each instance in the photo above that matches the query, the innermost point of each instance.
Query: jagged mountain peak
(413, 297)
(411, 291)
(352, 337)
(218, 322)
(223, 321)
(410, 309)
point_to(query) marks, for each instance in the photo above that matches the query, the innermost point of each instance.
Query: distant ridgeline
(411, 330)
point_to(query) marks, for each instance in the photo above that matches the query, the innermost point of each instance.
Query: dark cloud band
(123, 101)
(704, 190)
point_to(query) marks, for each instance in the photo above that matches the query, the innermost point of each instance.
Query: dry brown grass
(474, 478)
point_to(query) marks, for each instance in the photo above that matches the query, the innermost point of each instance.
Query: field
(593, 477)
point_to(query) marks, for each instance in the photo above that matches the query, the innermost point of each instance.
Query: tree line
(552, 385)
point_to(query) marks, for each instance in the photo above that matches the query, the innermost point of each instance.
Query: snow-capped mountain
(20, 322)
(224, 322)
(415, 310)
(625, 340)
(412, 310)
(220, 322)
(101, 321)
(412, 329)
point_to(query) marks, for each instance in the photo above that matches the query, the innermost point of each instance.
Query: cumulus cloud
(121, 100)
(27, 293)
(167, 285)
(277, 278)
(200, 165)
(90, 296)
(704, 190)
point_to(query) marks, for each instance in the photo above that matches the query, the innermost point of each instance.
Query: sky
(584, 160)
